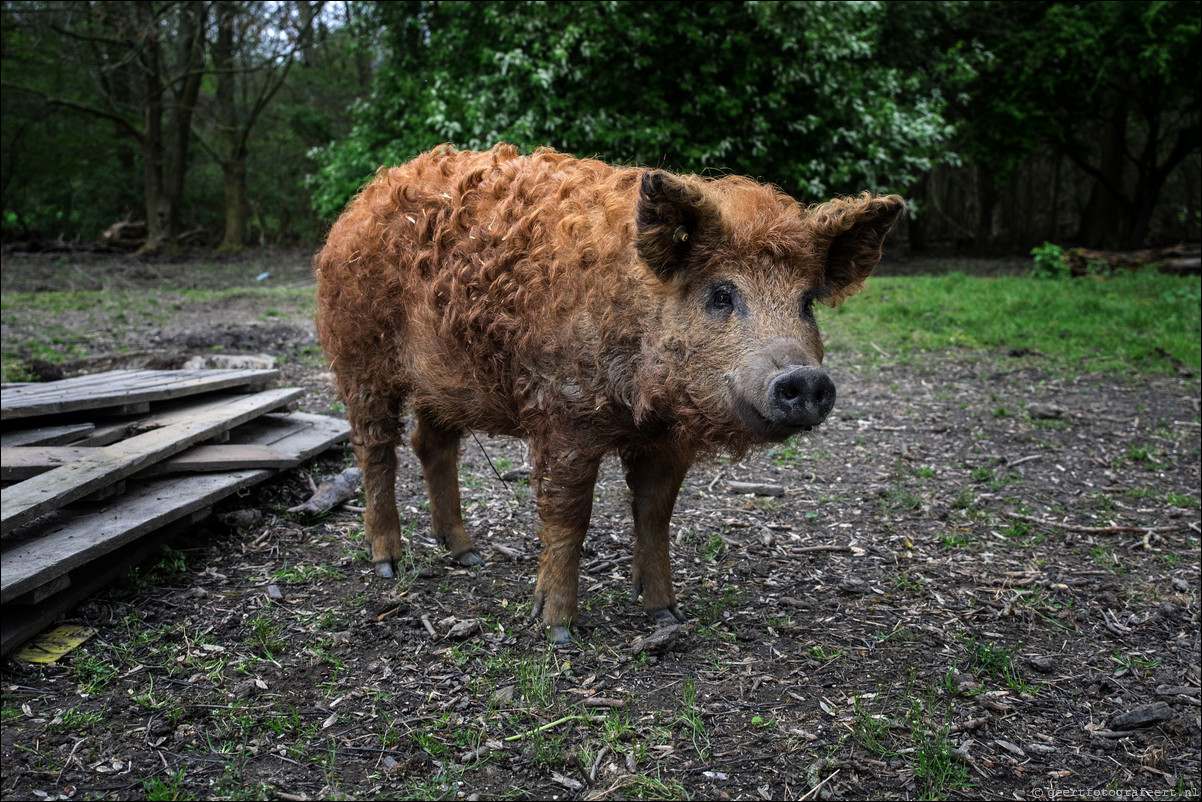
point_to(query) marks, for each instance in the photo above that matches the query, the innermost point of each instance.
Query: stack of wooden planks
(99, 470)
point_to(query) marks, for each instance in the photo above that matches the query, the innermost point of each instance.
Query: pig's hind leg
(654, 477)
(438, 450)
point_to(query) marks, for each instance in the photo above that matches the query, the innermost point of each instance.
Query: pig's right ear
(854, 230)
(669, 213)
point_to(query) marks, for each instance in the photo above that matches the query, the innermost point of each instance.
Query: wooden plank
(25, 617)
(82, 535)
(22, 463)
(25, 501)
(78, 535)
(121, 388)
(46, 435)
(213, 459)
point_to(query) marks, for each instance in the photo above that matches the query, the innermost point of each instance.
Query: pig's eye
(722, 299)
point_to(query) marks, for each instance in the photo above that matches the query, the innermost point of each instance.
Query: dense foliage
(789, 92)
(162, 109)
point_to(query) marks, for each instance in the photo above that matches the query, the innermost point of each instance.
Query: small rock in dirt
(1013, 749)
(240, 519)
(1142, 716)
(513, 474)
(503, 697)
(1040, 663)
(1176, 690)
(274, 593)
(661, 640)
(230, 362)
(1039, 749)
(756, 488)
(464, 629)
(1045, 411)
(853, 585)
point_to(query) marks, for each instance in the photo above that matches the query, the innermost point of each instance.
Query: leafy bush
(1049, 262)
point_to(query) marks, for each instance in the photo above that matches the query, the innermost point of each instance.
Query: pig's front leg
(565, 504)
(654, 477)
(382, 523)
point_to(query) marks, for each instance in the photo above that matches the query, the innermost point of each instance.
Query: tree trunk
(308, 51)
(1102, 223)
(152, 131)
(191, 61)
(986, 204)
(917, 223)
(230, 139)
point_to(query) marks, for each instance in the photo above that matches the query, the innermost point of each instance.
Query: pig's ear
(855, 229)
(670, 211)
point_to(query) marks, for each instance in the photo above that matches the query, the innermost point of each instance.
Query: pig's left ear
(670, 211)
(855, 229)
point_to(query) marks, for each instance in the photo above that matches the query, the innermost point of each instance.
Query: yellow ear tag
(681, 236)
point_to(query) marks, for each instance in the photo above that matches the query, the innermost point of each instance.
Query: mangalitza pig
(589, 309)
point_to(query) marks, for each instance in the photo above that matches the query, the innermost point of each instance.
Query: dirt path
(981, 580)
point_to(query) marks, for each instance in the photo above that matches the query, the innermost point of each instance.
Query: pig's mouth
(762, 427)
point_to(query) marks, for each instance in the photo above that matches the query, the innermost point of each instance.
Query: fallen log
(343, 487)
(1175, 260)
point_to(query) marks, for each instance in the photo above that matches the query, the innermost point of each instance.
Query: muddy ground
(981, 580)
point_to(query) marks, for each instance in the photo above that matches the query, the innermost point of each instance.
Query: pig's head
(739, 266)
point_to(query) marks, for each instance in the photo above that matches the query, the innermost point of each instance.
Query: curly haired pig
(589, 309)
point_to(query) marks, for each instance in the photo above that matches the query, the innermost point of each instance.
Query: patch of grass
(303, 573)
(823, 655)
(536, 677)
(713, 548)
(1141, 321)
(710, 606)
(168, 788)
(1144, 457)
(1135, 663)
(917, 727)
(72, 720)
(955, 540)
(266, 633)
(785, 454)
(93, 674)
(691, 720)
(901, 500)
(1181, 500)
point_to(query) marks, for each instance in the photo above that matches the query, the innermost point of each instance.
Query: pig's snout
(800, 397)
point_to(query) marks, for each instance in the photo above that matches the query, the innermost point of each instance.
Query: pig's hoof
(469, 558)
(559, 635)
(386, 569)
(667, 616)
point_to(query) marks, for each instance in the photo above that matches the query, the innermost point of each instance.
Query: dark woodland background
(194, 124)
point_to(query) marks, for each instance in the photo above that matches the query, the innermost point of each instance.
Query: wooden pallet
(96, 493)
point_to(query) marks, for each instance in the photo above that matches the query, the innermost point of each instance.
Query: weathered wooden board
(46, 435)
(17, 464)
(25, 501)
(121, 389)
(80, 534)
(27, 617)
